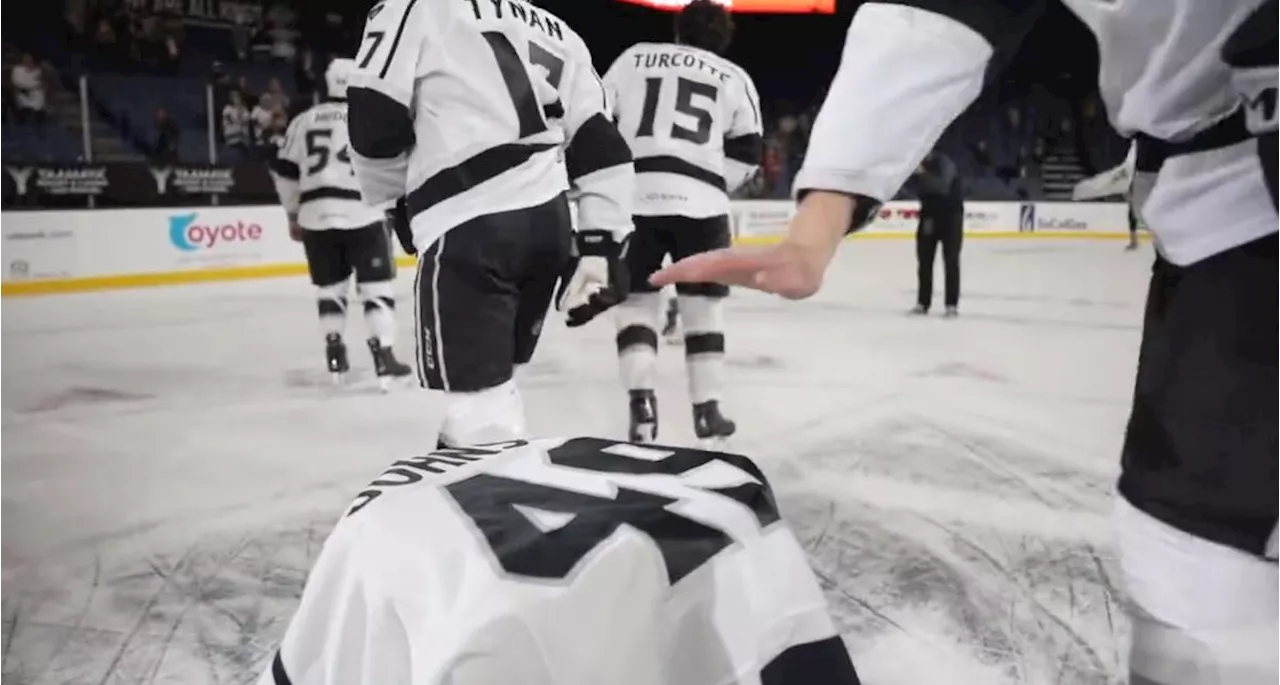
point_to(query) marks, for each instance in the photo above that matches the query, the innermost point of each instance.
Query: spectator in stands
(306, 74)
(236, 127)
(108, 45)
(275, 97)
(165, 148)
(27, 79)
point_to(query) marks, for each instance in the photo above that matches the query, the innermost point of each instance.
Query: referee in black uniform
(936, 182)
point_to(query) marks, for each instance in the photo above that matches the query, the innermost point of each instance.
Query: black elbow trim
(1002, 23)
(597, 145)
(285, 169)
(380, 127)
(864, 209)
(748, 149)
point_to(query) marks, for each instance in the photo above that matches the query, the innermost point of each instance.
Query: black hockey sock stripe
(278, 674)
(373, 303)
(329, 306)
(636, 335)
(703, 343)
(825, 662)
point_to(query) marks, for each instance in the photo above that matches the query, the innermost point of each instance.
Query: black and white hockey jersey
(313, 173)
(578, 562)
(465, 108)
(692, 119)
(911, 66)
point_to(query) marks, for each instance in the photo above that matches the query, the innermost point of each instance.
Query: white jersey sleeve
(388, 65)
(743, 143)
(692, 119)
(313, 172)
(597, 157)
(578, 562)
(907, 71)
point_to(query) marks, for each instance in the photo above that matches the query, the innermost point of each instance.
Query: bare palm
(782, 269)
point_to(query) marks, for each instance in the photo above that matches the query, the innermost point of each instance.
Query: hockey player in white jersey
(1193, 83)
(563, 562)
(692, 119)
(340, 234)
(476, 116)
(1117, 180)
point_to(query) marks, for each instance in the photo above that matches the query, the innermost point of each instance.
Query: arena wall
(78, 250)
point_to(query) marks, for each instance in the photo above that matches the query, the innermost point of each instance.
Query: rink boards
(78, 250)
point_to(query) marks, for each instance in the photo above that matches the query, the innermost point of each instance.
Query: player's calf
(704, 357)
(637, 339)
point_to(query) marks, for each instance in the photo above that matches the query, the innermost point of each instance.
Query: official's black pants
(947, 229)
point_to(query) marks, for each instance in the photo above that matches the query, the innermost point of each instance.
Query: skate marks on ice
(211, 613)
(954, 556)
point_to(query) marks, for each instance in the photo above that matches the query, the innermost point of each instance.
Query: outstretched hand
(785, 269)
(792, 268)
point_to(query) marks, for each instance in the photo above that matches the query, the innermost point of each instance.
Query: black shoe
(644, 417)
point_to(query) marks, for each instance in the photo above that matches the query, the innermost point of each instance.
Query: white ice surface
(172, 458)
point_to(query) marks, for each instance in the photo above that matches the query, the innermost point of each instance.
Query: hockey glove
(398, 220)
(595, 278)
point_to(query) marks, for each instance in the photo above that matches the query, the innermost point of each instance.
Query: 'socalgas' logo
(188, 235)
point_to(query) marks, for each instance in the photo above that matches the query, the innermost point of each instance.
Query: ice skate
(335, 353)
(711, 427)
(644, 417)
(385, 364)
(951, 312)
(918, 310)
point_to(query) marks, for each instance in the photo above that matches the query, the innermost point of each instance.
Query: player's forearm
(381, 181)
(605, 200)
(599, 164)
(905, 74)
(288, 192)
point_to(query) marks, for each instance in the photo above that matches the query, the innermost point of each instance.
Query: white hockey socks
(379, 310)
(703, 321)
(331, 300)
(490, 415)
(638, 318)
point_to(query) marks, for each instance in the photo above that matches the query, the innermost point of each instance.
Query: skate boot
(671, 329)
(644, 417)
(335, 354)
(952, 312)
(918, 310)
(711, 427)
(385, 364)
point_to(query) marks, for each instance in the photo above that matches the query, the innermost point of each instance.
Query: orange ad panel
(752, 6)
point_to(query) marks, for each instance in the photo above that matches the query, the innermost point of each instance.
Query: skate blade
(716, 444)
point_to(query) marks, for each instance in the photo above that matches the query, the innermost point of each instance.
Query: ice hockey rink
(173, 458)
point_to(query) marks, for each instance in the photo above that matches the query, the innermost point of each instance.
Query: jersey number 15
(686, 91)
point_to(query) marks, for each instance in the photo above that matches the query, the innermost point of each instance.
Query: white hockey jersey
(692, 119)
(578, 562)
(465, 108)
(911, 66)
(313, 173)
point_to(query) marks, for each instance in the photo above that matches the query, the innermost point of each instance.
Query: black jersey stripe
(471, 172)
(666, 164)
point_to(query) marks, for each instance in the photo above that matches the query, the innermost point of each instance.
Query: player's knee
(377, 293)
(638, 318)
(490, 415)
(701, 314)
(332, 299)
(1228, 627)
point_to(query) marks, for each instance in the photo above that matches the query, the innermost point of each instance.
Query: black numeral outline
(317, 145)
(376, 37)
(531, 114)
(521, 549)
(686, 90)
